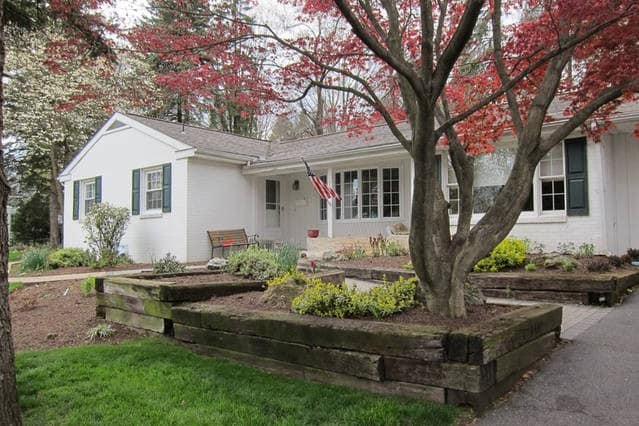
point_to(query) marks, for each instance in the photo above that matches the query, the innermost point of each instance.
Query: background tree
(30, 224)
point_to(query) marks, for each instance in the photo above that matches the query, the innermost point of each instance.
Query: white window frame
(534, 215)
(380, 194)
(83, 198)
(551, 178)
(145, 173)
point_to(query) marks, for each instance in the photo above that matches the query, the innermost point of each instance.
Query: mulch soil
(56, 314)
(417, 315)
(398, 262)
(85, 269)
(391, 262)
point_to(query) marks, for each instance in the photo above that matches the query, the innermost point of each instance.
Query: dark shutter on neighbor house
(135, 192)
(438, 162)
(76, 199)
(576, 177)
(98, 189)
(166, 188)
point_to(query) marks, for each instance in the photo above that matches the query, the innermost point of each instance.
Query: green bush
(168, 265)
(393, 248)
(87, 286)
(530, 267)
(298, 277)
(287, 258)
(104, 227)
(408, 266)
(568, 266)
(69, 257)
(510, 253)
(35, 259)
(586, 250)
(338, 300)
(254, 262)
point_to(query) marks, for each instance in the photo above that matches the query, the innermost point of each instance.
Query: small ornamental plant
(104, 227)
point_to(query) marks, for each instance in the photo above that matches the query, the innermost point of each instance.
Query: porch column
(329, 203)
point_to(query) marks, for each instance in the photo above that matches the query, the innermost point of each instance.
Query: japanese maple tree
(464, 74)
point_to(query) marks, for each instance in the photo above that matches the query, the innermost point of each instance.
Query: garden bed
(460, 364)
(544, 285)
(145, 300)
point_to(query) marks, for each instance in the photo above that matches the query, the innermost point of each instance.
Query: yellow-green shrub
(510, 253)
(338, 300)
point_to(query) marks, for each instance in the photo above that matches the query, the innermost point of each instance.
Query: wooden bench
(229, 238)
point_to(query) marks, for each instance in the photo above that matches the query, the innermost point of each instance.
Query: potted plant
(312, 233)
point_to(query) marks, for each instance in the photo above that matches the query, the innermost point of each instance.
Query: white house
(180, 181)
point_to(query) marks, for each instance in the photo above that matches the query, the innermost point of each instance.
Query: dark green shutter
(576, 177)
(135, 192)
(98, 189)
(76, 199)
(166, 188)
(439, 168)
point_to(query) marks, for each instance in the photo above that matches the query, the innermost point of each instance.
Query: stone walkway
(593, 380)
(576, 318)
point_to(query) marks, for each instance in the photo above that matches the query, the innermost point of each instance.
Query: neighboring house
(180, 181)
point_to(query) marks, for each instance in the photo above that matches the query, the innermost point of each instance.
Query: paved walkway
(593, 380)
(81, 276)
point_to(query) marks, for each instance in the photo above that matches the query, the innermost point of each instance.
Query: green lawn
(153, 381)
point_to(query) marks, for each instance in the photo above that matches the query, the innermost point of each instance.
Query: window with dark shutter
(576, 177)
(166, 188)
(76, 200)
(135, 192)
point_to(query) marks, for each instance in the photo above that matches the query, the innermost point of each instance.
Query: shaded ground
(15, 271)
(202, 278)
(591, 381)
(55, 314)
(394, 262)
(417, 315)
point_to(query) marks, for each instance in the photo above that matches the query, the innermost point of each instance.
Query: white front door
(273, 216)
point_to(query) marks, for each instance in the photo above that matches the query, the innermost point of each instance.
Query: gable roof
(206, 141)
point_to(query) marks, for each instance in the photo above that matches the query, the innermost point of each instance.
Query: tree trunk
(55, 200)
(9, 408)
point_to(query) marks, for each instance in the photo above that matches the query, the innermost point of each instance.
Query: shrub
(633, 254)
(254, 262)
(167, 265)
(30, 223)
(287, 257)
(338, 300)
(294, 275)
(87, 286)
(626, 258)
(104, 227)
(586, 250)
(568, 266)
(353, 251)
(510, 253)
(530, 267)
(35, 259)
(598, 264)
(566, 248)
(408, 266)
(101, 331)
(393, 248)
(69, 257)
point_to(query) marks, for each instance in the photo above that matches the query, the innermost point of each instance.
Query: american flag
(325, 192)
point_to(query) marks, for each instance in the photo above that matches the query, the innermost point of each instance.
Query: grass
(153, 381)
(14, 286)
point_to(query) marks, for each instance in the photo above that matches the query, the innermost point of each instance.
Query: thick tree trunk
(9, 408)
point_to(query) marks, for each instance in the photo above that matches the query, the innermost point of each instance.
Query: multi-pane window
(89, 195)
(366, 194)
(323, 203)
(153, 189)
(370, 190)
(390, 196)
(350, 195)
(551, 175)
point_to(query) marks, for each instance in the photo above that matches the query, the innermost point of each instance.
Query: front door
(273, 208)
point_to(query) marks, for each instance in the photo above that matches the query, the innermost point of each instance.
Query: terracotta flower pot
(312, 233)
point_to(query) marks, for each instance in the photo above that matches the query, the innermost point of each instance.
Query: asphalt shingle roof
(205, 140)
